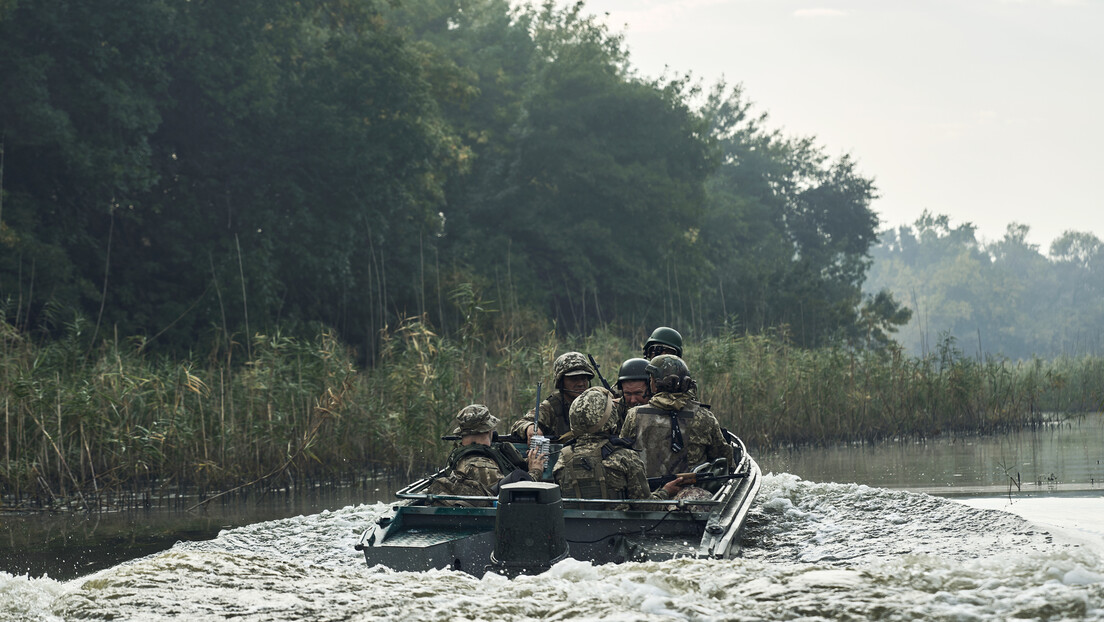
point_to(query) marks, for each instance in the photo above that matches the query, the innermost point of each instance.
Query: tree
(789, 229)
(80, 87)
(601, 186)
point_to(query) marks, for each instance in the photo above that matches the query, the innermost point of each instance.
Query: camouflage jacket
(652, 428)
(553, 417)
(618, 416)
(593, 468)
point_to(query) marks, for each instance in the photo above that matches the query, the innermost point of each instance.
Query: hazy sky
(988, 111)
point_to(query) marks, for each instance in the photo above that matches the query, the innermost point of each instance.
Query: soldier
(632, 383)
(673, 431)
(477, 466)
(599, 466)
(664, 340)
(572, 373)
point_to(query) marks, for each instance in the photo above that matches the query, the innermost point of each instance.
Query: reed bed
(87, 427)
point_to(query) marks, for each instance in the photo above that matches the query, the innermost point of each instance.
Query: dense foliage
(99, 431)
(1002, 298)
(199, 172)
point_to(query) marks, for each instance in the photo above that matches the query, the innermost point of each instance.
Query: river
(828, 538)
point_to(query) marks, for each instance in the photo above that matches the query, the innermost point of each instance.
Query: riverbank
(87, 428)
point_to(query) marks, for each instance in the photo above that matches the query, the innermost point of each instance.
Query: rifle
(594, 364)
(690, 479)
(495, 438)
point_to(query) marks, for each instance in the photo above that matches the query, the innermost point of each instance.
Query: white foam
(1079, 520)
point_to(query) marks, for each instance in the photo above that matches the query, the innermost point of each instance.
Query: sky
(990, 112)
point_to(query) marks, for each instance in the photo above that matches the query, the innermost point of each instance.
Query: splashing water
(812, 550)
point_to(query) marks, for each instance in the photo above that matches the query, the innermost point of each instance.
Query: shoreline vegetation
(84, 428)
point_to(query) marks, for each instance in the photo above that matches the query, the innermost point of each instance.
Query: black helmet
(663, 338)
(670, 374)
(633, 369)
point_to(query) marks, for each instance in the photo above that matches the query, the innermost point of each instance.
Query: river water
(822, 542)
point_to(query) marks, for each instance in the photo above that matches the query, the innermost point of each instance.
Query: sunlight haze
(988, 111)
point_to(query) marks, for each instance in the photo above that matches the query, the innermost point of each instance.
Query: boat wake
(813, 550)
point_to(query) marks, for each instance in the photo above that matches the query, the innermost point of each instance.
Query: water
(814, 549)
(1055, 458)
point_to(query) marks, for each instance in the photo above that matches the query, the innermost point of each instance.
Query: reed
(93, 425)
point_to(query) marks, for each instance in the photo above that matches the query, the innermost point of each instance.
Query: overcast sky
(988, 111)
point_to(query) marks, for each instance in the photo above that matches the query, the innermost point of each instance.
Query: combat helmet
(590, 413)
(633, 369)
(663, 338)
(570, 364)
(670, 374)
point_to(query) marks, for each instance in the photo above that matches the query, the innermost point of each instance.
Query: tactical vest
(653, 439)
(585, 477)
(457, 483)
(560, 421)
(494, 453)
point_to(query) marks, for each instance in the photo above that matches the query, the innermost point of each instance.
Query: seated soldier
(599, 465)
(632, 383)
(571, 374)
(475, 466)
(673, 431)
(664, 340)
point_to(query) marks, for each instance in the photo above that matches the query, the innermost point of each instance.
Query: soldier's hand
(529, 432)
(674, 486)
(536, 459)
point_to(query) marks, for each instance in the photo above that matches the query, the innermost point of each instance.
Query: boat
(530, 527)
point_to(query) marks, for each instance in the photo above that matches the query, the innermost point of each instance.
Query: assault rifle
(495, 438)
(690, 479)
(594, 364)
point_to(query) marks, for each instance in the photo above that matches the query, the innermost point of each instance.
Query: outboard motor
(529, 529)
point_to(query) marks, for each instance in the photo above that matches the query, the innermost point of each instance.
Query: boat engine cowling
(529, 529)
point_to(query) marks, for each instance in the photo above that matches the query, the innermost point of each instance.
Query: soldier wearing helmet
(664, 340)
(632, 383)
(673, 431)
(599, 465)
(475, 466)
(572, 373)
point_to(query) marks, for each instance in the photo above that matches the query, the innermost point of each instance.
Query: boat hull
(415, 536)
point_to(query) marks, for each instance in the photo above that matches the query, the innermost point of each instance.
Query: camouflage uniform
(553, 417)
(652, 428)
(554, 421)
(620, 409)
(474, 469)
(599, 466)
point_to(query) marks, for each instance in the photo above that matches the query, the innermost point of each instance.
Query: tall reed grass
(85, 427)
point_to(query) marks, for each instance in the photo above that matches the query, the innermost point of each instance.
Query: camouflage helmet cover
(590, 412)
(475, 419)
(633, 369)
(665, 336)
(669, 372)
(570, 364)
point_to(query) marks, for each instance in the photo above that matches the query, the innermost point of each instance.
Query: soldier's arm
(628, 427)
(522, 427)
(620, 410)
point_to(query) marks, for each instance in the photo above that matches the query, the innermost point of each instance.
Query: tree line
(186, 172)
(1000, 298)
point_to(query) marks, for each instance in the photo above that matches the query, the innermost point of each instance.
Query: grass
(85, 427)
